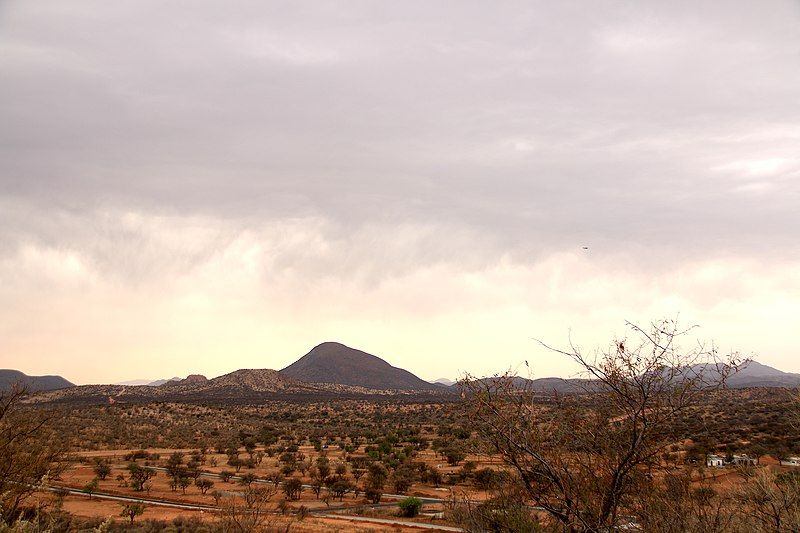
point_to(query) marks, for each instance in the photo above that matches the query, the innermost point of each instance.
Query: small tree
(484, 478)
(375, 482)
(358, 473)
(292, 487)
(453, 455)
(193, 469)
(139, 475)
(402, 478)
(275, 478)
(434, 477)
(204, 484)
(235, 462)
(341, 470)
(250, 446)
(323, 465)
(174, 464)
(184, 482)
(101, 469)
(248, 479)
(340, 488)
(91, 487)
(132, 510)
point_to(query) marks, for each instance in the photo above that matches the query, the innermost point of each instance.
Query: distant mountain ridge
(245, 385)
(754, 374)
(146, 382)
(159, 382)
(329, 370)
(332, 362)
(8, 378)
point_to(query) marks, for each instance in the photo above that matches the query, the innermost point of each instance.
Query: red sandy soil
(84, 507)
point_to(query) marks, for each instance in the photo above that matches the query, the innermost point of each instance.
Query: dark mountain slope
(33, 383)
(331, 362)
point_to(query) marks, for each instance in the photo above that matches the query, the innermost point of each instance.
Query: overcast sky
(200, 186)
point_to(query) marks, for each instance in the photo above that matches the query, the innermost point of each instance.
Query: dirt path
(327, 514)
(148, 501)
(391, 522)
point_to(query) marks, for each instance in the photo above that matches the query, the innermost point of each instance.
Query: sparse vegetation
(477, 457)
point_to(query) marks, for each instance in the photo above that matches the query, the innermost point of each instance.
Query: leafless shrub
(583, 457)
(30, 452)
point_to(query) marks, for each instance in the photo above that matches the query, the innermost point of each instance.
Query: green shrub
(410, 506)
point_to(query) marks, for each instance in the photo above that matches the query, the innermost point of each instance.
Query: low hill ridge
(8, 378)
(255, 379)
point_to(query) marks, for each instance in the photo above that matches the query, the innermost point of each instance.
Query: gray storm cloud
(367, 140)
(613, 122)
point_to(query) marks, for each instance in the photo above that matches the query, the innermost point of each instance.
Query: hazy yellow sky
(210, 299)
(198, 187)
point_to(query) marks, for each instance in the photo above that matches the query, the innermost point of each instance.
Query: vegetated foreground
(651, 444)
(344, 457)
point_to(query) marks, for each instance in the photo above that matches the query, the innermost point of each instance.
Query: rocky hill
(240, 386)
(329, 370)
(331, 362)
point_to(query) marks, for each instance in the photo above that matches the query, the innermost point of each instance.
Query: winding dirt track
(211, 508)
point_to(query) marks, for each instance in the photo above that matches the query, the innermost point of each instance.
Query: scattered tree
(91, 487)
(132, 510)
(581, 458)
(101, 469)
(292, 487)
(139, 475)
(204, 484)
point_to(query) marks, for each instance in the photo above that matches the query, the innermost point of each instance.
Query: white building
(715, 460)
(744, 459)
